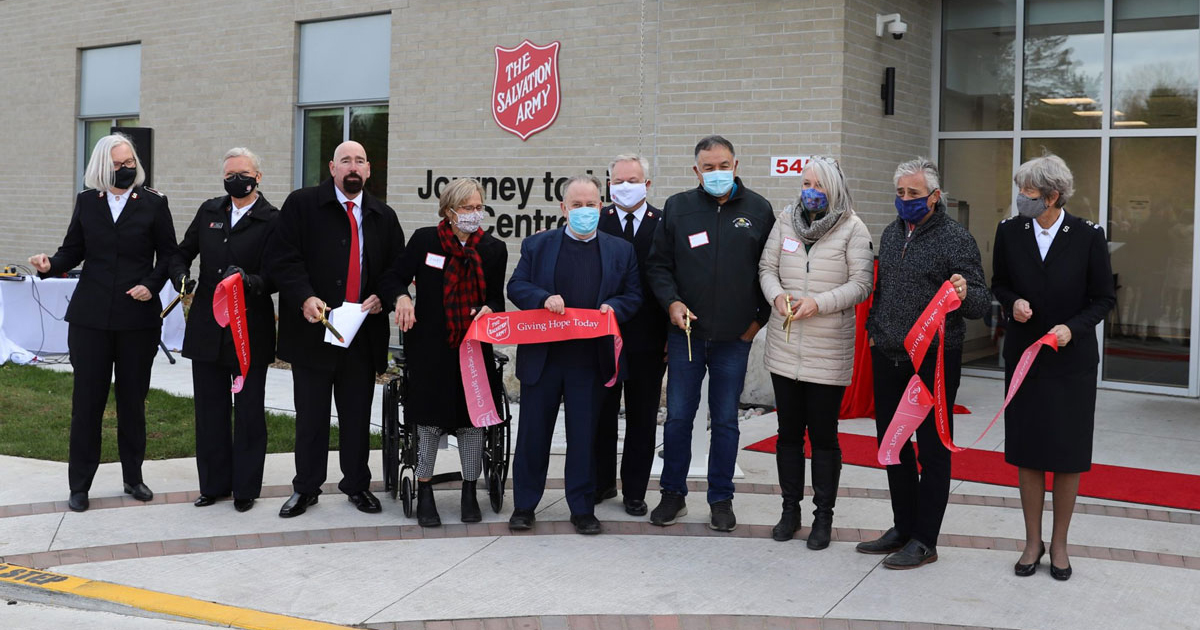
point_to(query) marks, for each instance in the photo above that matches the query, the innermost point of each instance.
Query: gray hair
(830, 175)
(631, 157)
(919, 166)
(1048, 173)
(243, 152)
(99, 173)
(586, 177)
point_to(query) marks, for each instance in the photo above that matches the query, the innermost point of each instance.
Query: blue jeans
(726, 360)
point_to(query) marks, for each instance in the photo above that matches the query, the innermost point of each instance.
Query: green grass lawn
(35, 420)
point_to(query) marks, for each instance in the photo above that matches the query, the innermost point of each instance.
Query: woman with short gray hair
(124, 232)
(1051, 274)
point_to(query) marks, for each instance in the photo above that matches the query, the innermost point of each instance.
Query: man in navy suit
(575, 266)
(633, 218)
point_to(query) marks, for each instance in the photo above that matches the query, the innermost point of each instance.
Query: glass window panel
(1155, 67)
(977, 65)
(110, 80)
(1151, 220)
(1064, 64)
(345, 60)
(93, 130)
(977, 180)
(323, 131)
(1082, 156)
(368, 126)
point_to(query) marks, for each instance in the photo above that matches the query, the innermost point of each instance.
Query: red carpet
(1116, 483)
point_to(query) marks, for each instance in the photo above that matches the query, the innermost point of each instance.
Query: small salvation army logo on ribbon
(498, 328)
(914, 394)
(525, 94)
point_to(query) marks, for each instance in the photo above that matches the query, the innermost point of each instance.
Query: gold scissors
(330, 326)
(687, 330)
(787, 322)
(187, 288)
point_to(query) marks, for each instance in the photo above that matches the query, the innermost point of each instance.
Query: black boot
(789, 460)
(470, 507)
(826, 469)
(427, 514)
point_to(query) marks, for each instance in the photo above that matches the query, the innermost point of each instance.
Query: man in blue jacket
(572, 267)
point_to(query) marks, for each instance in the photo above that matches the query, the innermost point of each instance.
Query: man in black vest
(331, 245)
(632, 217)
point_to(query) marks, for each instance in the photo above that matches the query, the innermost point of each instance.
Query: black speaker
(887, 91)
(143, 143)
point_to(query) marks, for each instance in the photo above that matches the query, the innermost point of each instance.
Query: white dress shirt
(236, 213)
(342, 199)
(116, 203)
(1045, 236)
(638, 215)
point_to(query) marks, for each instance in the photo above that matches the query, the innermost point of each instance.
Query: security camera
(895, 26)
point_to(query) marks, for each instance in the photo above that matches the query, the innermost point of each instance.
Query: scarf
(811, 231)
(463, 287)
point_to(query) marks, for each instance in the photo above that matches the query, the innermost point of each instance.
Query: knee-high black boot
(789, 460)
(427, 514)
(826, 469)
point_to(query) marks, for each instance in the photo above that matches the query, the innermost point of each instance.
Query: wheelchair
(400, 442)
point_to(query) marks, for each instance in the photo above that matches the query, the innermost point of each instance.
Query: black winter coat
(210, 237)
(645, 332)
(116, 257)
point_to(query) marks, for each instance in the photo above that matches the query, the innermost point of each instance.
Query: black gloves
(253, 283)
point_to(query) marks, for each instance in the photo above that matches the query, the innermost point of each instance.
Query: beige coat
(837, 272)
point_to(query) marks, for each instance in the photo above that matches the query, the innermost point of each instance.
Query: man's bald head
(350, 168)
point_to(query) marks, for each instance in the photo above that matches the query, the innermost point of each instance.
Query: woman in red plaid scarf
(459, 275)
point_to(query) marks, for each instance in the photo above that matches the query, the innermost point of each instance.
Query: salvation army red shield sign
(525, 95)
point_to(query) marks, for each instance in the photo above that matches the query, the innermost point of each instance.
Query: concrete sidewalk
(1135, 566)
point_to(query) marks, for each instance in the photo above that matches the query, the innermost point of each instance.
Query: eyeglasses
(469, 209)
(232, 176)
(130, 163)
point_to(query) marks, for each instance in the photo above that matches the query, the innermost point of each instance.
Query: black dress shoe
(139, 491)
(297, 504)
(365, 502)
(586, 524)
(78, 502)
(521, 520)
(243, 505)
(890, 542)
(206, 500)
(1026, 570)
(607, 493)
(635, 507)
(1062, 575)
(914, 554)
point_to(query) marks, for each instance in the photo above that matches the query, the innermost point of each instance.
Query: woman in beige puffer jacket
(817, 264)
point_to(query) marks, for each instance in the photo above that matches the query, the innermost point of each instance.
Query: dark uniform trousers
(643, 391)
(95, 354)
(918, 499)
(351, 384)
(229, 461)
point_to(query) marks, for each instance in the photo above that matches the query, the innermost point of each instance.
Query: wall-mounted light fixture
(887, 91)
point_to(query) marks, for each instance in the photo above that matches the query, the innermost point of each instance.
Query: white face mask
(469, 222)
(627, 194)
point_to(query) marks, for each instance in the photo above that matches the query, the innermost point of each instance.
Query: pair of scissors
(687, 330)
(187, 288)
(329, 326)
(787, 322)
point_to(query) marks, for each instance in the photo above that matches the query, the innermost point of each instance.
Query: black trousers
(351, 385)
(807, 406)
(229, 461)
(95, 356)
(643, 390)
(918, 499)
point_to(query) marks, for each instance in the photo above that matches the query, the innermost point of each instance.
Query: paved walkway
(1135, 566)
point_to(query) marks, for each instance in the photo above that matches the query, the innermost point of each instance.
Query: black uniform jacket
(220, 246)
(1073, 286)
(137, 249)
(706, 255)
(435, 389)
(308, 255)
(646, 331)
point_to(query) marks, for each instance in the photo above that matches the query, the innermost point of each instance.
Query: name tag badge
(435, 261)
(698, 239)
(790, 244)
(216, 226)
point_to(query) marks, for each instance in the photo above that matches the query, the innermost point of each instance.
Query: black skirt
(1049, 424)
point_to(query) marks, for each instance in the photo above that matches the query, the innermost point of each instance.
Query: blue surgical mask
(814, 200)
(718, 183)
(583, 220)
(912, 210)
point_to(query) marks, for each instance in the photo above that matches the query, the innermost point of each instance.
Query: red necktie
(352, 276)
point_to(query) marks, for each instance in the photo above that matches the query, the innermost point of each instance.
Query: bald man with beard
(332, 244)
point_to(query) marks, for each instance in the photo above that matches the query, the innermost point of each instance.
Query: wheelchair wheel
(495, 460)
(408, 492)
(391, 436)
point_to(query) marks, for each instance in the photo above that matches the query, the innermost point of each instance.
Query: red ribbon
(917, 400)
(521, 327)
(229, 306)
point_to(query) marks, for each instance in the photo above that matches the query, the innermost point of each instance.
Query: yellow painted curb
(152, 601)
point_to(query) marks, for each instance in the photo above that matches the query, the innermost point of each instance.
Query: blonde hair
(829, 175)
(99, 173)
(457, 192)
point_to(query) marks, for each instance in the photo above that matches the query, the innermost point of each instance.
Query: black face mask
(124, 176)
(352, 184)
(239, 186)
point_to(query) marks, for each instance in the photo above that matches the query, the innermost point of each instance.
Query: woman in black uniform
(459, 273)
(123, 231)
(1051, 273)
(229, 233)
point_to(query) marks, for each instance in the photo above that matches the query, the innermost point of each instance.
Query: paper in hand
(347, 319)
